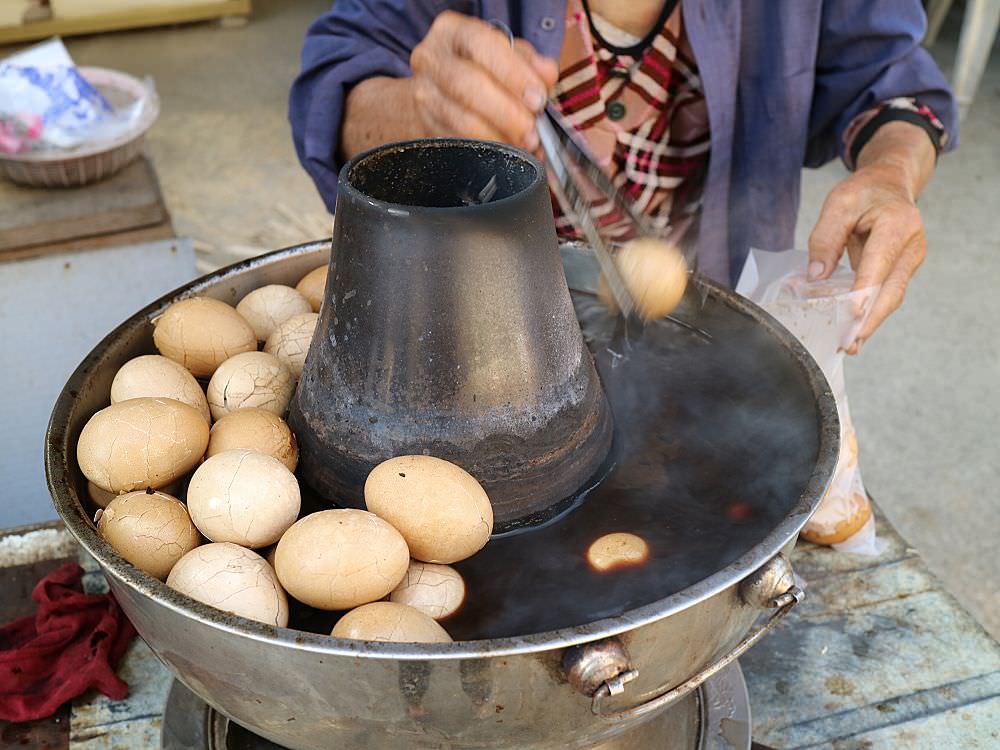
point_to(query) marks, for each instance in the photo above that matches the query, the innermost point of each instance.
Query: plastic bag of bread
(825, 316)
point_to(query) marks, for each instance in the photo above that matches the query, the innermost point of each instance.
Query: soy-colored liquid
(714, 442)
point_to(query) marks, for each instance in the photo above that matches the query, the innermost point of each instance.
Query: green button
(615, 110)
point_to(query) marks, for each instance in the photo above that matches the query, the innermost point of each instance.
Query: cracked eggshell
(243, 497)
(269, 306)
(201, 333)
(232, 579)
(339, 559)
(153, 375)
(152, 530)
(439, 508)
(290, 341)
(256, 430)
(312, 286)
(140, 443)
(101, 498)
(654, 271)
(390, 622)
(436, 590)
(250, 380)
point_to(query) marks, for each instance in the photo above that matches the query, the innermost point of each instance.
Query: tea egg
(269, 306)
(256, 430)
(840, 516)
(250, 380)
(243, 497)
(155, 375)
(233, 579)
(617, 550)
(150, 529)
(201, 333)
(654, 271)
(438, 507)
(339, 559)
(312, 286)
(290, 341)
(436, 590)
(140, 443)
(389, 622)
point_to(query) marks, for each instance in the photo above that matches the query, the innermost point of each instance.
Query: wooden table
(877, 656)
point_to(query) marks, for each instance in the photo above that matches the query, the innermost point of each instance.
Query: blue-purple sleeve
(870, 53)
(356, 40)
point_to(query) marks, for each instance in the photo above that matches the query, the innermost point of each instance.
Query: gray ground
(924, 393)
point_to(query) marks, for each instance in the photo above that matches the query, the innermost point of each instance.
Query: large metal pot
(575, 687)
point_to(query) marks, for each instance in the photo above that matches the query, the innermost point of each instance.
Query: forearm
(378, 110)
(903, 152)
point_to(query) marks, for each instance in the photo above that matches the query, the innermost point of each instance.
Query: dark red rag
(73, 642)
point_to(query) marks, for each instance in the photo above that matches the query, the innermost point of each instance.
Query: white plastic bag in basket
(825, 316)
(45, 103)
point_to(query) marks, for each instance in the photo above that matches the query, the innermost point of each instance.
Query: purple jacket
(782, 78)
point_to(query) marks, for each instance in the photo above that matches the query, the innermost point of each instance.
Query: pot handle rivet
(601, 666)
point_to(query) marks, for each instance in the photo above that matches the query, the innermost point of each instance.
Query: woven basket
(86, 164)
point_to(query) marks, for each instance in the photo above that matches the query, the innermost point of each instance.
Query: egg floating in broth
(616, 551)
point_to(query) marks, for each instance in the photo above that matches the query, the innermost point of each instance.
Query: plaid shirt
(644, 117)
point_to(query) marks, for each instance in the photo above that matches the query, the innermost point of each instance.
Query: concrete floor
(923, 394)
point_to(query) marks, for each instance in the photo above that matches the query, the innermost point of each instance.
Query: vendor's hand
(873, 214)
(469, 82)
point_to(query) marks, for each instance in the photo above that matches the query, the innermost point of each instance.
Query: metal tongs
(574, 167)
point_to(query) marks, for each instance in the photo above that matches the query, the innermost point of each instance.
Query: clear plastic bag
(825, 316)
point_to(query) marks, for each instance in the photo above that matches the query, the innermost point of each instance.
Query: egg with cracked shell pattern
(440, 509)
(150, 529)
(243, 497)
(233, 579)
(389, 622)
(340, 559)
(140, 443)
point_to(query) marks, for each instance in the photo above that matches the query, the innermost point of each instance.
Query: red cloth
(72, 643)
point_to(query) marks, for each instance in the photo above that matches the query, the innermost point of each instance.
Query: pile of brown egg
(196, 484)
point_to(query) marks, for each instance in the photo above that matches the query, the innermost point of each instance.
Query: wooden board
(36, 217)
(136, 17)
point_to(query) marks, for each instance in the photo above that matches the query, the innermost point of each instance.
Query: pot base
(715, 717)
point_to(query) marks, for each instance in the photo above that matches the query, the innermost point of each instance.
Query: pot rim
(70, 508)
(349, 190)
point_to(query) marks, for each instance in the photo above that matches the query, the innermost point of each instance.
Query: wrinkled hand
(469, 82)
(872, 214)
